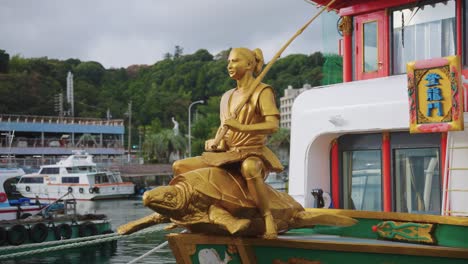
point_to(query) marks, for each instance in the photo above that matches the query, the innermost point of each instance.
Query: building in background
(286, 103)
(35, 140)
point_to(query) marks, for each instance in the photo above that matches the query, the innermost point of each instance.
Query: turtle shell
(229, 190)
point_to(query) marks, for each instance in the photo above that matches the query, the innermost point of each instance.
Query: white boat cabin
(338, 135)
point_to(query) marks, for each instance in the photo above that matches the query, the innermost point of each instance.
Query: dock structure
(51, 137)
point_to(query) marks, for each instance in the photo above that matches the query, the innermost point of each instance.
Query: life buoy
(63, 231)
(87, 229)
(3, 197)
(70, 189)
(3, 236)
(17, 235)
(28, 188)
(81, 190)
(39, 233)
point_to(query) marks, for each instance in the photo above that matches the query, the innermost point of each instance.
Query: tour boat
(14, 208)
(77, 175)
(388, 146)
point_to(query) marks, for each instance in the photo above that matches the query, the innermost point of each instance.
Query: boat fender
(87, 229)
(3, 197)
(3, 236)
(17, 235)
(70, 189)
(25, 215)
(28, 188)
(96, 189)
(91, 190)
(39, 232)
(63, 231)
(81, 190)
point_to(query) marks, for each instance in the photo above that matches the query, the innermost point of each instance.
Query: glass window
(101, 178)
(417, 180)
(362, 176)
(370, 46)
(50, 171)
(32, 180)
(70, 180)
(423, 32)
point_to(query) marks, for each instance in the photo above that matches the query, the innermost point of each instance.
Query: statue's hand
(211, 146)
(234, 125)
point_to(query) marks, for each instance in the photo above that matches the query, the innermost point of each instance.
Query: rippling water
(119, 212)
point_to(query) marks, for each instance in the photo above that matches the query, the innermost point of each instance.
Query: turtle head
(164, 199)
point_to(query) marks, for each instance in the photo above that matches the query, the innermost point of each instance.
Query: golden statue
(223, 191)
(243, 146)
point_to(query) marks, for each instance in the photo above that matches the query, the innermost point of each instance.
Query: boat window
(370, 46)
(32, 180)
(362, 175)
(69, 170)
(50, 171)
(101, 178)
(70, 180)
(423, 32)
(417, 180)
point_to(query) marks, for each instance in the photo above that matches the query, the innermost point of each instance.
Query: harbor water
(125, 250)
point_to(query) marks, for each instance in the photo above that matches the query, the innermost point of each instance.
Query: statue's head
(164, 199)
(243, 60)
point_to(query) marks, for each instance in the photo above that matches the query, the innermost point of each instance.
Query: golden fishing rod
(258, 80)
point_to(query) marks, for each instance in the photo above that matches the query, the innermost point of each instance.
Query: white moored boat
(77, 175)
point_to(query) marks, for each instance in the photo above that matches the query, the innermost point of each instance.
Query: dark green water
(127, 249)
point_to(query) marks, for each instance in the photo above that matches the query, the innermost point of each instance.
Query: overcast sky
(120, 33)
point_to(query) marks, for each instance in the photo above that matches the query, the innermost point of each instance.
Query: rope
(148, 253)
(103, 239)
(55, 242)
(152, 251)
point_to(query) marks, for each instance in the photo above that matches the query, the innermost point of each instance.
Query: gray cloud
(119, 33)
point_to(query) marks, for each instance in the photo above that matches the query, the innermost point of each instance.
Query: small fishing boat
(77, 175)
(58, 221)
(14, 208)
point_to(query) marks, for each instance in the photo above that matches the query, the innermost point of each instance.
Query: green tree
(158, 147)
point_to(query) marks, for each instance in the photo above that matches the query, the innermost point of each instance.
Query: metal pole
(189, 126)
(129, 129)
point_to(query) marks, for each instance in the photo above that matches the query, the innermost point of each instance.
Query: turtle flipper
(307, 218)
(224, 219)
(142, 223)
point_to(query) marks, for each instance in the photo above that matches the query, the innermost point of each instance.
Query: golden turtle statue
(216, 201)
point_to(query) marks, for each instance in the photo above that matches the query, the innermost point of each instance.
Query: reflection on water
(119, 212)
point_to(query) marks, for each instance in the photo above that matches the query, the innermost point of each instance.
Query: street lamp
(189, 126)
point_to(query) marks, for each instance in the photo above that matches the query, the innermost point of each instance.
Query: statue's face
(238, 64)
(163, 197)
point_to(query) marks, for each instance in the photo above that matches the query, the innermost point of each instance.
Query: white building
(286, 103)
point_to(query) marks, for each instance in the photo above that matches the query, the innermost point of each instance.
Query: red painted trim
(82, 184)
(458, 16)
(464, 72)
(16, 209)
(383, 46)
(386, 173)
(372, 6)
(443, 153)
(335, 174)
(348, 58)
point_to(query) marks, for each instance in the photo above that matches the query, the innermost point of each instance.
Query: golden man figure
(243, 146)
